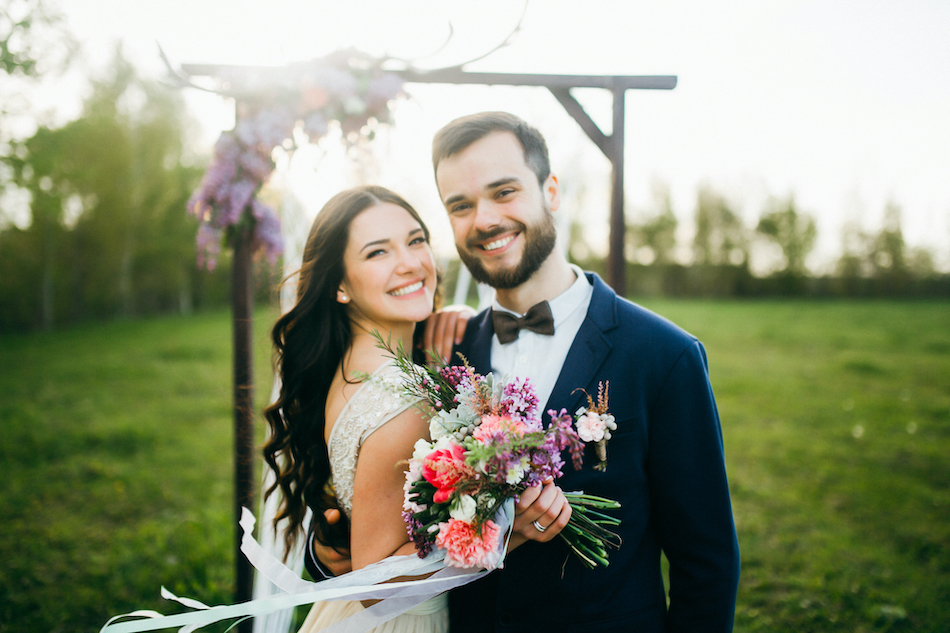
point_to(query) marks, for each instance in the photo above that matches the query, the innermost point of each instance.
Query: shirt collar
(563, 305)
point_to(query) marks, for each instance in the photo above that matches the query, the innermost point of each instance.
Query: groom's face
(501, 217)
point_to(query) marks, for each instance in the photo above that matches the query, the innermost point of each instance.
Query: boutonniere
(594, 424)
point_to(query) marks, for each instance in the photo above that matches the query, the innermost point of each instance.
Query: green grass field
(116, 468)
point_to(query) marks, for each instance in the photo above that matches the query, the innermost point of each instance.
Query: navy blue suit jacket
(664, 464)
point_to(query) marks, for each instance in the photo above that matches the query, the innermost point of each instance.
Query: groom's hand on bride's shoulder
(541, 512)
(445, 329)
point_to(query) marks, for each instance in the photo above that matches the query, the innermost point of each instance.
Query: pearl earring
(344, 298)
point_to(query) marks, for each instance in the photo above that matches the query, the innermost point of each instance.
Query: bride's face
(390, 277)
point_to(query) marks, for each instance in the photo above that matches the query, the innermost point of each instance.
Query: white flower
(591, 427)
(444, 442)
(420, 450)
(414, 472)
(516, 473)
(464, 509)
(412, 506)
(436, 428)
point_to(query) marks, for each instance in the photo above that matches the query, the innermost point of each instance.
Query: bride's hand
(445, 329)
(541, 506)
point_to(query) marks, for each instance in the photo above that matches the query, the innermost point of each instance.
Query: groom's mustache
(480, 237)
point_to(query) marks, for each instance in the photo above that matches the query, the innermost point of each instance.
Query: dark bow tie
(538, 319)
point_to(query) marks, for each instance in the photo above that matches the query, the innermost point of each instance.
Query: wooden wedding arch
(612, 145)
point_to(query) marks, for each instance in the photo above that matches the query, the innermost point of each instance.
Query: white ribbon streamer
(369, 583)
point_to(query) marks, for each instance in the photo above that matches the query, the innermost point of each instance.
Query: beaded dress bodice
(379, 399)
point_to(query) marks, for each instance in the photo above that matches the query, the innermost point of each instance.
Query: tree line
(108, 236)
(872, 264)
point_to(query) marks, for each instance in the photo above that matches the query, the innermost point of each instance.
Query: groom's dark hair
(462, 132)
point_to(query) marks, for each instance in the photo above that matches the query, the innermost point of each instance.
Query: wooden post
(242, 319)
(616, 261)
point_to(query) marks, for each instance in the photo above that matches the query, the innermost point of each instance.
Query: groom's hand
(445, 329)
(544, 506)
(333, 560)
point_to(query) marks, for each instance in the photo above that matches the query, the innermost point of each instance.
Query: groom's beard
(539, 241)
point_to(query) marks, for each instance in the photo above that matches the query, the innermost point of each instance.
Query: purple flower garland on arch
(348, 88)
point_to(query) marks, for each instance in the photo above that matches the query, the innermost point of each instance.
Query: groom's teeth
(491, 246)
(406, 290)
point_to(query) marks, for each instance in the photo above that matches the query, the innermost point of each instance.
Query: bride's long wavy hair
(310, 341)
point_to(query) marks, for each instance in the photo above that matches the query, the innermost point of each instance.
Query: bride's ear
(341, 296)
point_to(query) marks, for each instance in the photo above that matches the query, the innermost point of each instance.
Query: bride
(367, 267)
(341, 415)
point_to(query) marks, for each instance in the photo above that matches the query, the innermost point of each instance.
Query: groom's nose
(486, 216)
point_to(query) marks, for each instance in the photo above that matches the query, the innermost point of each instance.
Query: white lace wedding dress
(378, 400)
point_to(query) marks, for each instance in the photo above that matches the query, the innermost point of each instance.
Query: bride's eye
(375, 253)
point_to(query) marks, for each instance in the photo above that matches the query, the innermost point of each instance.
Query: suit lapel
(478, 347)
(588, 352)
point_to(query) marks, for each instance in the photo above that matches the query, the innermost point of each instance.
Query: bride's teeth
(491, 246)
(406, 290)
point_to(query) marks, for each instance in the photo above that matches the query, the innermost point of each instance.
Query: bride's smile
(407, 289)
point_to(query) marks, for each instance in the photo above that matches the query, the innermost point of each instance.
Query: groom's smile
(495, 245)
(497, 241)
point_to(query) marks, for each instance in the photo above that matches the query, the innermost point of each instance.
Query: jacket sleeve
(314, 568)
(690, 498)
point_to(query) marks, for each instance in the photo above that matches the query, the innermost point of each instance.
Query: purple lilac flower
(339, 83)
(417, 534)
(213, 186)
(208, 242)
(257, 165)
(562, 428)
(239, 197)
(315, 126)
(227, 148)
(382, 89)
(267, 234)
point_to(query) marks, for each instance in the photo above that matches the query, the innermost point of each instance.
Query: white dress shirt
(538, 356)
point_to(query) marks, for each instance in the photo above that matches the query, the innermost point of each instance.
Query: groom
(665, 459)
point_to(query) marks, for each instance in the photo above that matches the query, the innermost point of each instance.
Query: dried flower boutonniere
(594, 424)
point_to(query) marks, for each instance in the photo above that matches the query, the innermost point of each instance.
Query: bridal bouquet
(488, 446)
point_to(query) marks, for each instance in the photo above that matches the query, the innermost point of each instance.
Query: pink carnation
(444, 469)
(492, 424)
(465, 548)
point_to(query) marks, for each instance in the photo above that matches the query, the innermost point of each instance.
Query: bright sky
(844, 104)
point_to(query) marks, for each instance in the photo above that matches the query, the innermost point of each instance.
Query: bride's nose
(408, 262)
